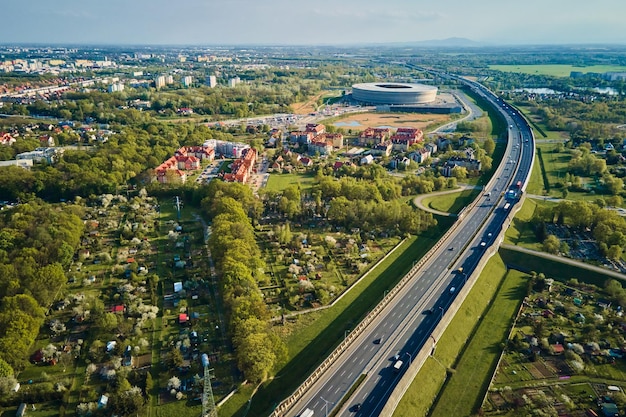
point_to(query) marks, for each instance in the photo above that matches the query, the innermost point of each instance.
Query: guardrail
(421, 356)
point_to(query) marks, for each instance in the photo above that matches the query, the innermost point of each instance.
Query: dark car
(356, 407)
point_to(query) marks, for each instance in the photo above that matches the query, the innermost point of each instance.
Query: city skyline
(298, 22)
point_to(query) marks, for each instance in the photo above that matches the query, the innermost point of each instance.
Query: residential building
(432, 148)
(321, 147)
(211, 81)
(232, 82)
(203, 153)
(405, 137)
(383, 149)
(242, 168)
(49, 155)
(450, 164)
(185, 111)
(374, 136)
(169, 79)
(225, 148)
(116, 87)
(420, 155)
(316, 128)
(335, 138)
(159, 81)
(187, 80)
(6, 139)
(399, 162)
(301, 137)
(307, 162)
(46, 140)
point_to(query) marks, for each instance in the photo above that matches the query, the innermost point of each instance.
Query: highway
(405, 325)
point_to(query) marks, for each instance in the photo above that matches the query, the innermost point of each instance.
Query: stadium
(393, 93)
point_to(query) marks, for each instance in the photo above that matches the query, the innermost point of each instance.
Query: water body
(537, 90)
(606, 90)
(348, 124)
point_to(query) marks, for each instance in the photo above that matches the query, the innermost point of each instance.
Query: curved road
(418, 201)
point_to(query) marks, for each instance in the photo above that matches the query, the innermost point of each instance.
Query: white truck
(398, 365)
(307, 413)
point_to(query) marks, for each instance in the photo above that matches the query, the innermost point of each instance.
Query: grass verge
(466, 387)
(422, 392)
(453, 202)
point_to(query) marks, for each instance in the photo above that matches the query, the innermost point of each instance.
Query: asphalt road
(405, 325)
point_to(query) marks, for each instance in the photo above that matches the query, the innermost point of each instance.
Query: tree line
(238, 258)
(37, 244)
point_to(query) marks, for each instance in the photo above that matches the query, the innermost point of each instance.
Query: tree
(552, 244)
(5, 369)
(489, 146)
(176, 357)
(459, 172)
(128, 403)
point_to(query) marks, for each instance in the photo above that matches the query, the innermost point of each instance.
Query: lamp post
(326, 406)
(410, 358)
(441, 308)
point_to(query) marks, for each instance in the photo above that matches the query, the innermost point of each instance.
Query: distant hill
(449, 42)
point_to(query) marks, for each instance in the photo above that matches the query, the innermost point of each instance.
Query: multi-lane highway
(404, 326)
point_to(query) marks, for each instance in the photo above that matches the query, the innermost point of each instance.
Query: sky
(314, 22)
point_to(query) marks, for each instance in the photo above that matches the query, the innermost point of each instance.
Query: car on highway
(356, 407)
(483, 244)
(380, 340)
(428, 311)
(395, 357)
(452, 290)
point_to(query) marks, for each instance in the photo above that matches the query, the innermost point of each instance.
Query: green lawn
(424, 389)
(316, 334)
(453, 202)
(552, 268)
(520, 231)
(555, 70)
(278, 182)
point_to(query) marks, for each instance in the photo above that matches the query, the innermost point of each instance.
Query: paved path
(473, 112)
(418, 200)
(569, 261)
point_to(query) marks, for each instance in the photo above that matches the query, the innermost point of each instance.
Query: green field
(555, 70)
(278, 182)
(424, 389)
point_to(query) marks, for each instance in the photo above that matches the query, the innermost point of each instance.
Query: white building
(187, 81)
(159, 81)
(115, 87)
(234, 81)
(211, 81)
